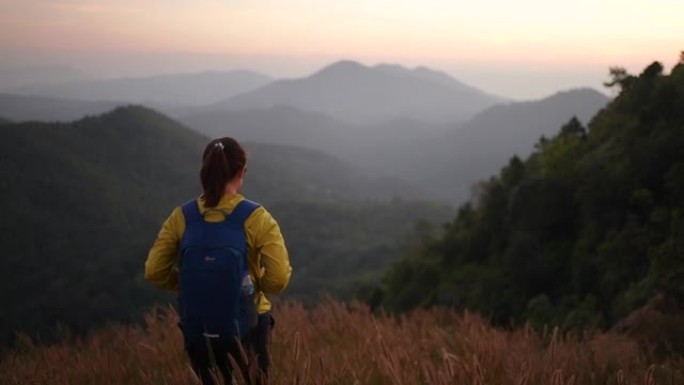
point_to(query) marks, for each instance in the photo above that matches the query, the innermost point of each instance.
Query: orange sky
(580, 36)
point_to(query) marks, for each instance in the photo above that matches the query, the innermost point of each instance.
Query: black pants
(210, 357)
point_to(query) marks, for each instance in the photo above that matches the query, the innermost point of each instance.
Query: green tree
(586, 230)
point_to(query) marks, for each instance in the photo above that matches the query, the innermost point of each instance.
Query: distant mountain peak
(346, 63)
(431, 75)
(400, 69)
(130, 109)
(361, 94)
(585, 94)
(578, 91)
(342, 66)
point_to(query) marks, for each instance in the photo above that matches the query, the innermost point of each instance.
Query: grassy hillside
(338, 344)
(83, 201)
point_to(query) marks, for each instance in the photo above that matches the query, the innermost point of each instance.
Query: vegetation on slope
(340, 344)
(587, 229)
(82, 203)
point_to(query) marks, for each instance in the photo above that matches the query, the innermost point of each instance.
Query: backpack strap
(239, 214)
(191, 211)
(242, 211)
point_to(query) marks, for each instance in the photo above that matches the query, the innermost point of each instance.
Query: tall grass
(335, 343)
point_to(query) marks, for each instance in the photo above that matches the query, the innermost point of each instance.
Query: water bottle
(247, 292)
(247, 287)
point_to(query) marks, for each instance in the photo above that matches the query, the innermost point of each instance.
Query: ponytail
(223, 159)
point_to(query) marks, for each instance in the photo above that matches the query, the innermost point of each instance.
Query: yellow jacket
(269, 264)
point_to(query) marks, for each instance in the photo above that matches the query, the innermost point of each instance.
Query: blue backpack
(212, 266)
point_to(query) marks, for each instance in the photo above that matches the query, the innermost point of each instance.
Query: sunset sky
(520, 49)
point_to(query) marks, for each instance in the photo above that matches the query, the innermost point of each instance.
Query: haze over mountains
(347, 157)
(21, 108)
(442, 161)
(349, 91)
(16, 77)
(190, 89)
(428, 133)
(281, 125)
(478, 148)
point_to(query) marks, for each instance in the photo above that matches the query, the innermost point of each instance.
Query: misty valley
(402, 188)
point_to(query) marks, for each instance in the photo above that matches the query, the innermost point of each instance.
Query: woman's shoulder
(186, 207)
(259, 211)
(260, 215)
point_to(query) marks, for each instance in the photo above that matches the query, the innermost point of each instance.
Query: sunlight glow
(523, 33)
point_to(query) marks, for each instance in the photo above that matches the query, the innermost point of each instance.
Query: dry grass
(339, 344)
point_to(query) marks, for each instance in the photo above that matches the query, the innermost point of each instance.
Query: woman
(267, 262)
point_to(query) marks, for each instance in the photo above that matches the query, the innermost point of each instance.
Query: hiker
(222, 254)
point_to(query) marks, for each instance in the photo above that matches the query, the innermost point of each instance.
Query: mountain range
(281, 125)
(442, 160)
(21, 108)
(22, 76)
(418, 125)
(341, 156)
(355, 93)
(187, 89)
(478, 148)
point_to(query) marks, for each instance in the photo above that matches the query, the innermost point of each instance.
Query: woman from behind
(222, 254)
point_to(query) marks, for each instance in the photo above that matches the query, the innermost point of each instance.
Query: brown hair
(223, 159)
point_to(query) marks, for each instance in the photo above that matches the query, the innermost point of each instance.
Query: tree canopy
(585, 230)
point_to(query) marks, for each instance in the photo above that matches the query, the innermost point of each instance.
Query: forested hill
(587, 229)
(80, 205)
(82, 202)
